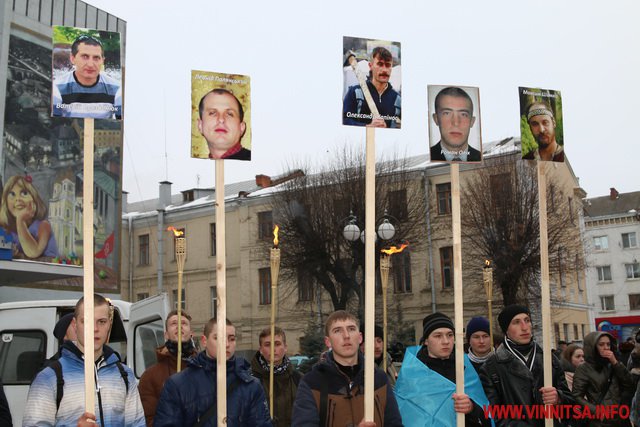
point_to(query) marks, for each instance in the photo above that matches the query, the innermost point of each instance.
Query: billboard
(42, 202)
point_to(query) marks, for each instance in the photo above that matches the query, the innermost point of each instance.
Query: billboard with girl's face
(41, 199)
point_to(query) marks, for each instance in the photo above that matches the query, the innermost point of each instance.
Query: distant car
(296, 361)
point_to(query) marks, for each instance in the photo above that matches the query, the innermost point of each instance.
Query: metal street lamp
(386, 230)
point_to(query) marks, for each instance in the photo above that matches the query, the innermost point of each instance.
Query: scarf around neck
(479, 359)
(526, 353)
(277, 369)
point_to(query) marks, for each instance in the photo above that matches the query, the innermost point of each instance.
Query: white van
(26, 339)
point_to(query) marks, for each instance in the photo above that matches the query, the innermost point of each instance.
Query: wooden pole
(385, 264)
(370, 274)
(457, 284)
(545, 291)
(181, 254)
(221, 294)
(87, 264)
(275, 272)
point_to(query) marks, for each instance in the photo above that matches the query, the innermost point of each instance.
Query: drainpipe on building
(163, 201)
(434, 306)
(130, 220)
(160, 257)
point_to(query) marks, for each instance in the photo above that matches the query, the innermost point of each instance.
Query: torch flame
(176, 232)
(487, 263)
(275, 236)
(394, 250)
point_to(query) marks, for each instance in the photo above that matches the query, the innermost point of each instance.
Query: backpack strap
(212, 409)
(123, 374)
(324, 396)
(57, 368)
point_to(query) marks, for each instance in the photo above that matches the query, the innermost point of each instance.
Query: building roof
(615, 204)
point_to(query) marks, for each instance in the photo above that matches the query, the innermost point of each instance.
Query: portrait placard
(454, 124)
(86, 73)
(220, 116)
(372, 83)
(541, 130)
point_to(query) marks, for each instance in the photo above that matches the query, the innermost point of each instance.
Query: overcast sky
(292, 50)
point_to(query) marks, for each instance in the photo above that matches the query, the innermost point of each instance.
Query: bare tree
(500, 222)
(312, 211)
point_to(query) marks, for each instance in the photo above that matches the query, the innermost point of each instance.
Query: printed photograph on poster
(220, 116)
(454, 123)
(41, 197)
(86, 73)
(541, 129)
(372, 83)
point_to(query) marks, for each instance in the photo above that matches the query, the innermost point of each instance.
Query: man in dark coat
(153, 379)
(602, 379)
(332, 394)
(285, 377)
(514, 374)
(191, 394)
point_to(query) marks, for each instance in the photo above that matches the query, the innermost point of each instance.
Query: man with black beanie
(514, 374)
(426, 385)
(382, 358)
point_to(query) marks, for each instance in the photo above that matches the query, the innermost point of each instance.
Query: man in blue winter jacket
(51, 403)
(190, 397)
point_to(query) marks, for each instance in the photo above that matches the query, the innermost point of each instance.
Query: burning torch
(385, 264)
(487, 281)
(181, 254)
(275, 271)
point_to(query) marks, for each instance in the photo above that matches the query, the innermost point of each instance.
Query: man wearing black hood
(514, 374)
(154, 377)
(602, 379)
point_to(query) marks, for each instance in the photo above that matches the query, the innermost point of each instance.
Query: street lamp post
(385, 231)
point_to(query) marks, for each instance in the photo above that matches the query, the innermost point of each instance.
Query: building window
(601, 243)
(402, 272)
(178, 230)
(629, 240)
(604, 273)
(556, 331)
(143, 249)
(446, 267)
(634, 301)
(265, 225)
(606, 302)
(398, 204)
(305, 285)
(575, 331)
(212, 239)
(443, 192)
(264, 279)
(174, 295)
(584, 330)
(633, 270)
(142, 295)
(214, 301)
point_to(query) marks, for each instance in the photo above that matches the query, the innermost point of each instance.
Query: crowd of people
(510, 374)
